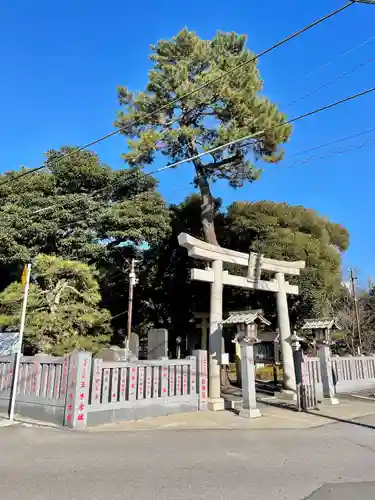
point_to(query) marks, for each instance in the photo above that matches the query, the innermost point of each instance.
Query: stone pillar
(134, 346)
(290, 387)
(215, 402)
(324, 354)
(77, 396)
(238, 363)
(201, 378)
(249, 406)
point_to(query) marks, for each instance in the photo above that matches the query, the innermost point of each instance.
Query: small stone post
(238, 363)
(324, 354)
(298, 360)
(249, 406)
(201, 378)
(77, 395)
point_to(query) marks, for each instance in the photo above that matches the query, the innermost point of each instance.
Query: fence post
(324, 354)
(77, 395)
(202, 378)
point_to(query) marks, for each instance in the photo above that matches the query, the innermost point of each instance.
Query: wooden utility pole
(353, 279)
(132, 282)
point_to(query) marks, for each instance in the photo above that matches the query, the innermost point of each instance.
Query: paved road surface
(41, 464)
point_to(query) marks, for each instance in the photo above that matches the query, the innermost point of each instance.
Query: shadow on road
(342, 420)
(291, 407)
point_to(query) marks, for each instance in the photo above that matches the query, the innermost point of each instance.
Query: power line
(330, 154)
(327, 64)
(188, 94)
(297, 162)
(335, 141)
(334, 80)
(254, 135)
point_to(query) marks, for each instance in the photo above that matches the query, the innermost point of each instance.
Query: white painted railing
(353, 373)
(312, 375)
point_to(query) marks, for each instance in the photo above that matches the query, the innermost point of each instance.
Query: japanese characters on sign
(141, 379)
(148, 382)
(164, 381)
(97, 381)
(178, 381)
(184, 379)
(155, 393)
(83, 387)
(133, 383)
(123, 383)
(171, 380)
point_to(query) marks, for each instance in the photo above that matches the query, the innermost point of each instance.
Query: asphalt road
(40, 464)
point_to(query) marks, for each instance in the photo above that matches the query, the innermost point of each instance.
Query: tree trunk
(207, 211)
(207, 201)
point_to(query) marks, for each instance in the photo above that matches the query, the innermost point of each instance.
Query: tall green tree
(77, 207)
(286, 232)
(63, 311)
(228, 109)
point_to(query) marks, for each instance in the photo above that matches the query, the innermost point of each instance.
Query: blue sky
(61, 63)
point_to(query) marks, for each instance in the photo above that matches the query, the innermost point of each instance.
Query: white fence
(353, 373)
(76, 390)
(312, 377)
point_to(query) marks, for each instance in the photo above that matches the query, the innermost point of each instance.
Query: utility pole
(25, 284)
(353, 280)
(133, 280)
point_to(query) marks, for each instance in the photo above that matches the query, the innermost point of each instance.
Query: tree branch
(221, 163)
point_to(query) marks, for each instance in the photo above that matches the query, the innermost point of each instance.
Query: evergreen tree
(230, 108)
(63, 310)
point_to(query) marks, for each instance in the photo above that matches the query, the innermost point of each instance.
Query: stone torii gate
(214, 274)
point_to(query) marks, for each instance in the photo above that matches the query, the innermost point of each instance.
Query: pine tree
(232, 107)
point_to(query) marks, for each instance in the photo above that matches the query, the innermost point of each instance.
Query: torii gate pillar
(289, 378)
(215, 401)
(217, 277)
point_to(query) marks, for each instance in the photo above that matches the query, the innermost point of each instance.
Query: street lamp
(365, 1)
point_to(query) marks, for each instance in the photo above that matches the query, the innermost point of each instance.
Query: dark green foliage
(281, 231)
(63, 311)
(228, 109)
(50, 211)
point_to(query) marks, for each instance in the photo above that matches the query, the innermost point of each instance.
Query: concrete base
(331, 401)
(287, 395)
(253, 413)
(215, 404)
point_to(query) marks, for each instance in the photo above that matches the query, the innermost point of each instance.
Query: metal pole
(132, 282)
(352, 280)
(13, 395)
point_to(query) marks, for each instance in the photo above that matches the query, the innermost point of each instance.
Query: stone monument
(157, 343)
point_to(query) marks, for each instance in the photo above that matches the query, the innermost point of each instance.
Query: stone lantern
(320, 329)
(247, 336)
